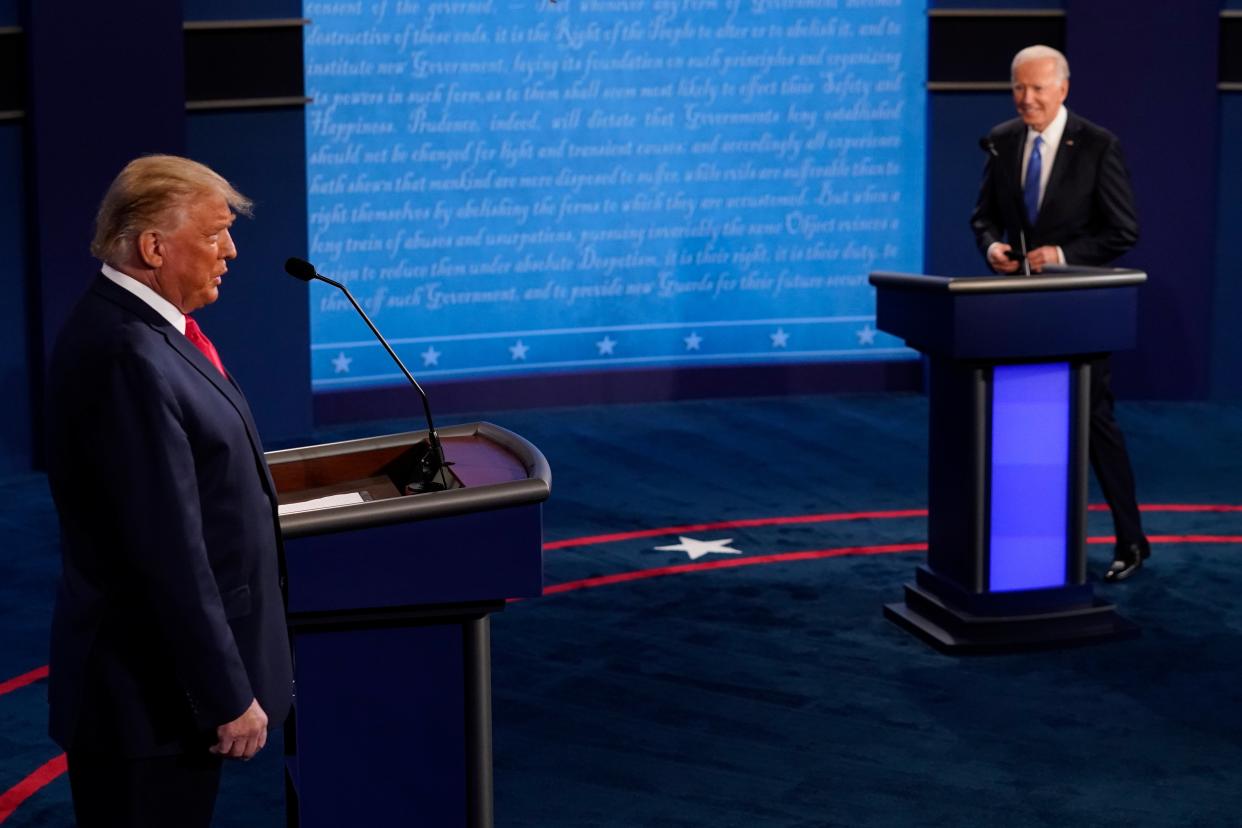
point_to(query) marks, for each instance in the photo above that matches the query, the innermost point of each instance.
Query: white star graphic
(519, 350)
(430, 356)
(693, 341)
(866, 336)
(606, 345)
(779, 338)
(341, 363)
(697, 548)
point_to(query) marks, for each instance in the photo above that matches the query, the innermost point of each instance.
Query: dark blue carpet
(777, 695)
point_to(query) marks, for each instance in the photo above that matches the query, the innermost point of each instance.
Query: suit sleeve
(1114, 217)
(155, 505)
(986, 220)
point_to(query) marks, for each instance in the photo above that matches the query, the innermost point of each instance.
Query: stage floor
(710, 648)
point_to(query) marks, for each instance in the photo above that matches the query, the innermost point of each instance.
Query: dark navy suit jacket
(1088, 207)
(169, 615)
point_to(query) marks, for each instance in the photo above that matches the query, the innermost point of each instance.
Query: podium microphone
(431, 475)
(989, 146)
(1026, 263)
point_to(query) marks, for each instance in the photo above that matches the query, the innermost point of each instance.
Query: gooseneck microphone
(431, 466)
(989, 146)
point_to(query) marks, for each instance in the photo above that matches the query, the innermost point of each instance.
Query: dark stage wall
(1147, 70)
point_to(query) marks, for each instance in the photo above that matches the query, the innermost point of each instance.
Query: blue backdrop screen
(513, 187)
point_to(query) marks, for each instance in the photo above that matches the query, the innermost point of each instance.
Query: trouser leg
(1109, 458)
(153, 792)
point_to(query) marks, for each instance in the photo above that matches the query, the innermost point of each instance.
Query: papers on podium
(327, 502)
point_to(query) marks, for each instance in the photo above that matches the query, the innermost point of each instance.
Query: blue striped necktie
(1034, 168)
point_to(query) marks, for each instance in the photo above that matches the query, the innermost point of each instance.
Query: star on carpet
(606, 345)
(519, 350)
(692, 341)
(866, 335)
(430, 356)
(779, 338)
(697, 548)
(341, 363)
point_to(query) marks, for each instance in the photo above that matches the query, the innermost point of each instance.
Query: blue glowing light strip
(1030, 476)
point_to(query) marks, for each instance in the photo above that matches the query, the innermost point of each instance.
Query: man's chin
(205, 298)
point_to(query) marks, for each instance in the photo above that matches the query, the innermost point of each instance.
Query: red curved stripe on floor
(1109, 539)
(733, 524)
(11, 799)
(829, 517)
(41, 672)
(1175, 507)
(24, 679)
(816, 554)
(731, 563)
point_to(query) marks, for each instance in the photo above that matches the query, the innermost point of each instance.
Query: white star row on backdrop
(606, 347)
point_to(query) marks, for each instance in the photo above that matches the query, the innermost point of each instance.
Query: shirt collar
(1052, 133)
(158, 303)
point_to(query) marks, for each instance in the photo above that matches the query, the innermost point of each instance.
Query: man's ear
(150, 248)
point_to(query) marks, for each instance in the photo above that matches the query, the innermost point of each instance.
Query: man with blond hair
(169, 650)
(1056, 190)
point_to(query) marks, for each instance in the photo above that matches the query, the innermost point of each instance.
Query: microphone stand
(430, 463)
(989, 146)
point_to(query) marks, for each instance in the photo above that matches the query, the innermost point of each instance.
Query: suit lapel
(203, 365)
(232, 392)
(1011, 145)
(197, 360)
(1061, 166)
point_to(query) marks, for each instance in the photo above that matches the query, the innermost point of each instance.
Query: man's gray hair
(1040, 53)
(151, 192)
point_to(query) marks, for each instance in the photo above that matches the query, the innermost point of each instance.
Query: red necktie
(195, 334)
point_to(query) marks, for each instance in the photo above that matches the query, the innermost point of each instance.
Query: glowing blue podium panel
(517, 188)
(1030, 471)
(1008, 368)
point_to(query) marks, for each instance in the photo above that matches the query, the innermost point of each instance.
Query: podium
(388, 603)
(1009, 389)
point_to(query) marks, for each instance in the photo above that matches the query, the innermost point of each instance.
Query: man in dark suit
(169, 648)
(1056, 189)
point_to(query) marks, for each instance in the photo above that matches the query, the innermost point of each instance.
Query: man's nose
(228, 250)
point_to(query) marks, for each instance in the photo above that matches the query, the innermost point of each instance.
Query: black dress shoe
(1127, 559)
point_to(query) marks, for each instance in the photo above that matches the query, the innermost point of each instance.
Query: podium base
(952, 630)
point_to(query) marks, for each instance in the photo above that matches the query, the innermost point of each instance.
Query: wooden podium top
(491, 468)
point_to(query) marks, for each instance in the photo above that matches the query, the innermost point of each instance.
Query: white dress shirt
(158, 303)
(1048, 152)
(1047, 157)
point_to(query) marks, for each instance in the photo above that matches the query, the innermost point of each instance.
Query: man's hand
(1043, 256)
(243, 737)
(999, 261)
